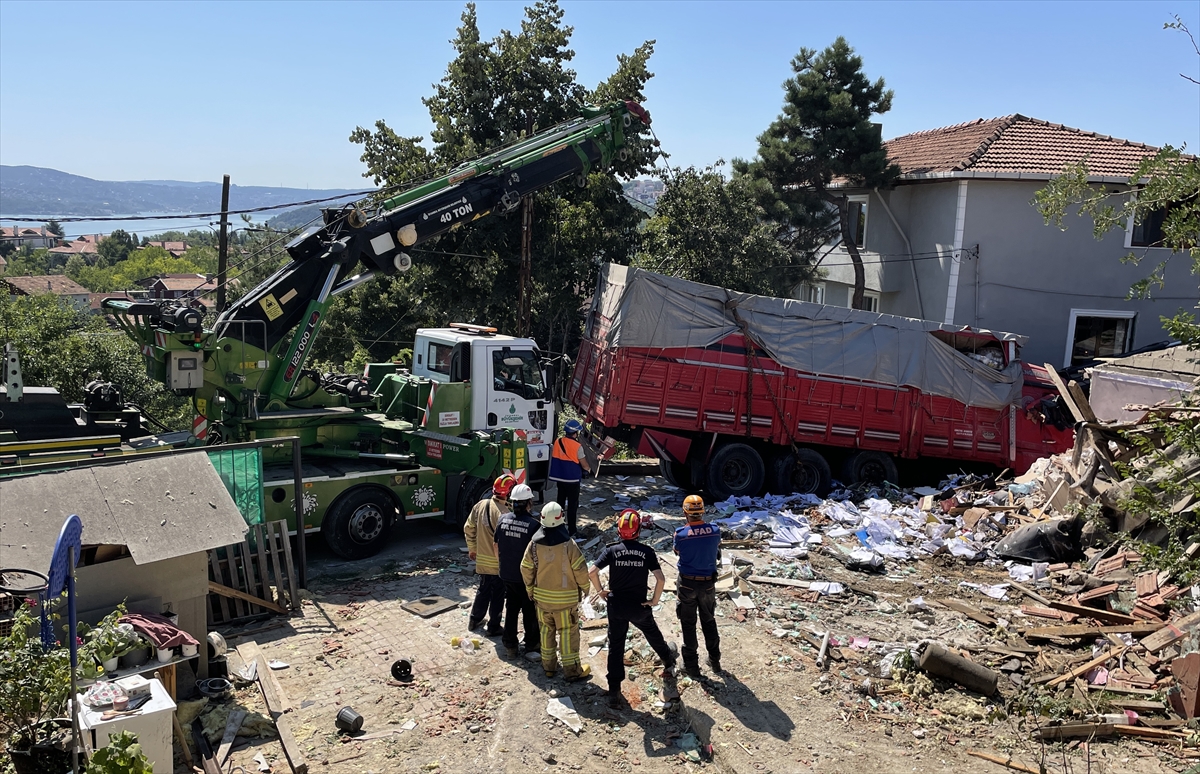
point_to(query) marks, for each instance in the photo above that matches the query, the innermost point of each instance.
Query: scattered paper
(277, 664)
(622, 478)
(650, 480)
(598, 500)
(262, 762)
(561, 708)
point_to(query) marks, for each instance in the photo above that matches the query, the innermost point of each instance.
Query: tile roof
(25, 232)
(57, 284)
(1013, 144)
(186, 282)
(170, 247)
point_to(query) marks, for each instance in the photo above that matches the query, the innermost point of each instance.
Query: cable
(1195, 298)
(196, 215)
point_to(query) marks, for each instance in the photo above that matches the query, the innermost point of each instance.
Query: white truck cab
(508, 385)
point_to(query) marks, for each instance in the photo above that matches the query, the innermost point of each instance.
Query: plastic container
(349, 720)
(189, 650)
(110, 665)
(165, 655)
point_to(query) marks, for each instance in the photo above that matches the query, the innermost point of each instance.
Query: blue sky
(269, 92)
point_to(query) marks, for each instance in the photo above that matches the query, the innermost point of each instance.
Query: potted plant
(123, 755)
(34, 684)
(106, 641)
(136, 652)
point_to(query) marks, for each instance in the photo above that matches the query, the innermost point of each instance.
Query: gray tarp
(637, 308)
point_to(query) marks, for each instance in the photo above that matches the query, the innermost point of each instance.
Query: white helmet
(552, 515)
(520, 492)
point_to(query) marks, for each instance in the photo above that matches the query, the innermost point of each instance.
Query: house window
(1094, 333)
(858, 220)
(813, 292)
(1148, 233)
(870, 301)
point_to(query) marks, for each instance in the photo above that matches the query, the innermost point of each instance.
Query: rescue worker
(480, 532)
(630, 564)
(568, 464)
(698, 546)
(513, 534)
(555, 575)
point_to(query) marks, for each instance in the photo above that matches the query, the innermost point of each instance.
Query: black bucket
(349, 720)
(402, 670)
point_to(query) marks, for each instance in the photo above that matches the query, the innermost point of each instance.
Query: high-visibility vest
(564, 460)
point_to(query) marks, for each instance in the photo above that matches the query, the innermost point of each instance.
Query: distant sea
(142, 223)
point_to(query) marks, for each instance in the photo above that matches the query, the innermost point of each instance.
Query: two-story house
(84, 246)
(34, 237)
(957, 240)
(56, 284)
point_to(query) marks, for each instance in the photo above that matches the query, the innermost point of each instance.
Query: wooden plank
(242, 573)
(1171, 633)
(222, 606)
(1076, 731)
(277, 701)
(1064, 392)
(1084, 630)
(1106, 616)
(225, 591)
(1111, 688)
(975, 615)
(179, 735)
(1046, 612)
(779, 581)
(231, 728)
(1137, 705)
(1081, 401)
(203, 750)
(293, 586)
(295, 757)
(1086, 667)
(266, 557)
(1007, 762)
(241, 608)
(254, 582)
(276, 563)
(1036, 597)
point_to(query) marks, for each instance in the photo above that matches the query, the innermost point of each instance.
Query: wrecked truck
(739, 393)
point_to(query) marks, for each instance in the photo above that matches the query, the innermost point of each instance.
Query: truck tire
(473, 490)
(676, 473)
(357, 525)
(806, 471)
(735, 469)
(870, 467)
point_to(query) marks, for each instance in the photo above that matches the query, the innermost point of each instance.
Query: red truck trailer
(735, 393)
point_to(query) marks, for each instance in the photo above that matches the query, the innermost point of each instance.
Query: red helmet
(503, 486)
(629, 524)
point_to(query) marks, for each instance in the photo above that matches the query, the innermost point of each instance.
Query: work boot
(714, 664)
(614, 699)
(473, 626)
(693, 670)
(511, 652)
(494, 632)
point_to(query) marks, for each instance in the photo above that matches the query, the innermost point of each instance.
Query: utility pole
(223, 246)
(525, 291)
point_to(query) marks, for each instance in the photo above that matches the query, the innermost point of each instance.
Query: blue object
(572, 426)
(62, 573)
(863, 537)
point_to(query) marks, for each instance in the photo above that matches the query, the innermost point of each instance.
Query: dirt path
(772, 711)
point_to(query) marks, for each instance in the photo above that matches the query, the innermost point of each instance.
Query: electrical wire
(193, 216)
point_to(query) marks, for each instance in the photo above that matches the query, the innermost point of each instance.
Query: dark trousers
(488, 600)
(568, 498)
(519, 604)
(619, 619)
(698, 599)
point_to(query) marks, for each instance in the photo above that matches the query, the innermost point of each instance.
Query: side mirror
(550, 379)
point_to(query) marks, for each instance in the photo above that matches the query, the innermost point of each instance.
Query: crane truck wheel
(473, 490)
(805, 471)
(676, 473)
(735, 469)
(870, 467)
(357, 525)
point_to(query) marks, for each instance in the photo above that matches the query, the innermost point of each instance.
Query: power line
(193, 215)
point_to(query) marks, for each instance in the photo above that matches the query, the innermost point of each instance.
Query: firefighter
(555, 575)
(630, 564)
(568, 465)
(513, 534)
(698, 546)
(480, 532)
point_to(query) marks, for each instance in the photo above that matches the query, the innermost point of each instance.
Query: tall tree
(494, 92)
(115, 247)
(709, 229)
(54, 227)
(823, 143)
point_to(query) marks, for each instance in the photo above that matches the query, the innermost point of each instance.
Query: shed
(147, 527)
(1143, 379)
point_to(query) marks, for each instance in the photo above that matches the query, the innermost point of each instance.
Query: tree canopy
(822, 143)
(494, 92)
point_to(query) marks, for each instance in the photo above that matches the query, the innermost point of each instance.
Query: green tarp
(241, 470)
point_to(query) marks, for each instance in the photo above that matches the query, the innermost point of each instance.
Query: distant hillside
(36, 191)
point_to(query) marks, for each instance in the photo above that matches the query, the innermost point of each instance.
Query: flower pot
(45, 758)
(135, 657)
(110, 664)
(165, 655)
(190, 650)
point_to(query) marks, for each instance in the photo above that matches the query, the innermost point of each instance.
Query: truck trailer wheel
(676, 473)
(806, 471)
(473, 490)
(870, 467)
(735, 469)
(357, 525)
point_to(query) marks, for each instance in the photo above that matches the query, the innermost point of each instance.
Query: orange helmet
(629, 524)
(693, 507)
(503, 486)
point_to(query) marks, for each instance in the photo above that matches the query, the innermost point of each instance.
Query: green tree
(28, 262)
(709, 229)
(494, 92)
(54, 227)
(115, 247)
(822, 143)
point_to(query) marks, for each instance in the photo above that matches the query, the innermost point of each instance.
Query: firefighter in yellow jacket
(480, 532)
(556, 576)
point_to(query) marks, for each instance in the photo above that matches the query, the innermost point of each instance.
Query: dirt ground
(772, 710)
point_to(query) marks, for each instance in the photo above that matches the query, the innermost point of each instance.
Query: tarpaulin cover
(637, 308)
(241, 471)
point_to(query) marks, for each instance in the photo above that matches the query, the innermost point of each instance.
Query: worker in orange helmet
(698, 546)
(480, 532)
(630, 564)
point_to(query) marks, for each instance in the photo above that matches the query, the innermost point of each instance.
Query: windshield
(518, 372)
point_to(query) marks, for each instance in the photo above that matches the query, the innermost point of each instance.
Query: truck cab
(509, 388)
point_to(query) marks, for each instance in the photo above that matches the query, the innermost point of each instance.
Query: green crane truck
(391, 444)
